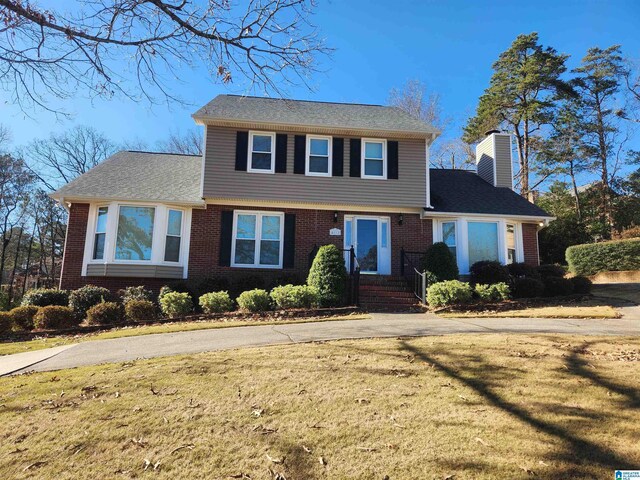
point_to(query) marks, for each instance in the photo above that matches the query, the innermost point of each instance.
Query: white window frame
(363, 149)
(258, 238)
(455, 235)
(515, 242)
(153, 234)
(307, 170)
(250, 152)
(180, 236)
(501, 232)
(96, 233)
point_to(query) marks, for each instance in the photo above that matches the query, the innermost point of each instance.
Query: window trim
(363, 149)
(307, 162)
(250, 151)
(167, 234)
(258, 238)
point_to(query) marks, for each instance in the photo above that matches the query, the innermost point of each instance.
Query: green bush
(557, 287)
(581, 284)
(449, 292)
(54, 317)
(592, 258)
(488, 272)
(328, 275)
(211, 284)
(527, 288)
(495, 292)
(84, 298)
(43, 297)
(176, 304)
(440, 261)
(163, 291)
(256, 300)
(5, 323)
(245, 283)
(140, 311)
(551, 270)
(523, 270)
(105, 313)
(4, 301)
(216, 302)
(294, 296)
(22, 317)
(135, 293)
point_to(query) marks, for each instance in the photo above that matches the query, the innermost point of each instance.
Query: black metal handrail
(416, 278)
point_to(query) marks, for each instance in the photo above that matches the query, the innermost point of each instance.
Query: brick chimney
(493, 159)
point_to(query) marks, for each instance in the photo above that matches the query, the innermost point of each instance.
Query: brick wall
(530, 243)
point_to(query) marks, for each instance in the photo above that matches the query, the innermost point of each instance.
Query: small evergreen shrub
(245, 283)
(450, 292)
(527, 288)
(581, 285)
(294, 296)
(551, 270)
(591, 258)
(254, 301)
(176, 304)
(557, 287)
(520, 270)
(440, 261)
(140, 311)
(328, 275)
(430, 278)
(84, 298)
(105, 313)
(495, 292)
(5, 323)
(136, 293)
(163, 291)
(285, 279)
(53, 317)
(43, 297)
(22, 317)
(488, 272)
(216, 302)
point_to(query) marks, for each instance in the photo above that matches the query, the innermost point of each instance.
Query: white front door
(371, 239)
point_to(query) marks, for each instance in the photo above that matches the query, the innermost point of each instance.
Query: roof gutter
(545, 220)
(86, 199)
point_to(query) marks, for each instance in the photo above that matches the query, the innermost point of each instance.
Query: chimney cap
(490, 132)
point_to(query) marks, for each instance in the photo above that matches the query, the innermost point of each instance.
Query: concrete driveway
(380, 325)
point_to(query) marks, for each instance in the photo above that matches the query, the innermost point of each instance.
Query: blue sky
(379, 45)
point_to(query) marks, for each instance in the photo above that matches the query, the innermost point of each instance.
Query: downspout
(428, 175)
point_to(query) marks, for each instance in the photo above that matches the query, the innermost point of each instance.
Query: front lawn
(600, 311)
(460, 406)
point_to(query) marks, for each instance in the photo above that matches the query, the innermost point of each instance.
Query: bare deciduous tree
(52, 52)
(188, 143)
(455, 154)
(414, 99)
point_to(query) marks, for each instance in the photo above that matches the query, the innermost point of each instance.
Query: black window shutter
(299, 151)
(281, 153)
(289, 247)
(337, 166)
(392, 159)
(242, 149)
(354, 160)
(226, 230)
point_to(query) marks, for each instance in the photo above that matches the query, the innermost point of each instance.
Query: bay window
(174, 236)
(101, 233)
(134, 239)
(374, 159)
(257, 239)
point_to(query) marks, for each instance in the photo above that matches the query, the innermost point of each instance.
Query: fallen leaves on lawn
(367, 449)
(149, 464)
(34, 465)
(306, 449)
(241, 476)
(322, 461)
(362, 401)
(479, 440)
(274, 459)
(528, 471)
(189, 446)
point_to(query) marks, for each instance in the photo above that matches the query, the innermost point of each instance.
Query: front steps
(386, 293)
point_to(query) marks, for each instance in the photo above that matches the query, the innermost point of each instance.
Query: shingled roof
(310, 113)
(463, 191)
(140, 176)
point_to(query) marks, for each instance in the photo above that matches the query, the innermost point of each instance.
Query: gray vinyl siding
(221, 180)
(134, 271)
(484, 155)
(503, 161)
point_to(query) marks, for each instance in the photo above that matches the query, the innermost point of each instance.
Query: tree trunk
(605, 191)
(29, 250)
(15, 264)
(575, 192)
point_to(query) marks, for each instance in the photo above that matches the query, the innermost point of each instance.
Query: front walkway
(380, 325)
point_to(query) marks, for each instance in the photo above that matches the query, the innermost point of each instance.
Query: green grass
(460, 406)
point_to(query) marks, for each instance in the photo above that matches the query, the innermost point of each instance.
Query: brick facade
(530, 244)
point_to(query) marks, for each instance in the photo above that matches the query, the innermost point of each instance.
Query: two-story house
(279, 178)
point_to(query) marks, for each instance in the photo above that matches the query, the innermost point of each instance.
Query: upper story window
(261, 152)
(257, 239)
(318, 162)
(174, 236)
(134, 240)
(374, 158)
(101, 233)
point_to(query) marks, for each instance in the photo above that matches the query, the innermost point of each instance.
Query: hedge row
(591, 258)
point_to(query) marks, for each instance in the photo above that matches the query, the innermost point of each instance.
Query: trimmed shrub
(430, 278)
(245, 283)
(105, 313)
(140, 311)
(440, 261)
(551, 270)
(22, 317)
(294, 296)
(523, 270)
(557, 287)
(163, 291)
(176, 304)
(84, 298)
(527, 288)
(5, 323)
(488, 272)
(285, 279)
(216, 302)
(256, 300)
(328, 275)
(450, 292)
(592, 258)
(43, 297)
(495, 292)
(581, 284)
(135, 293)
(55, 317)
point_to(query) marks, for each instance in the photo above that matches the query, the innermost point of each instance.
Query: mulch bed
(519, 304)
